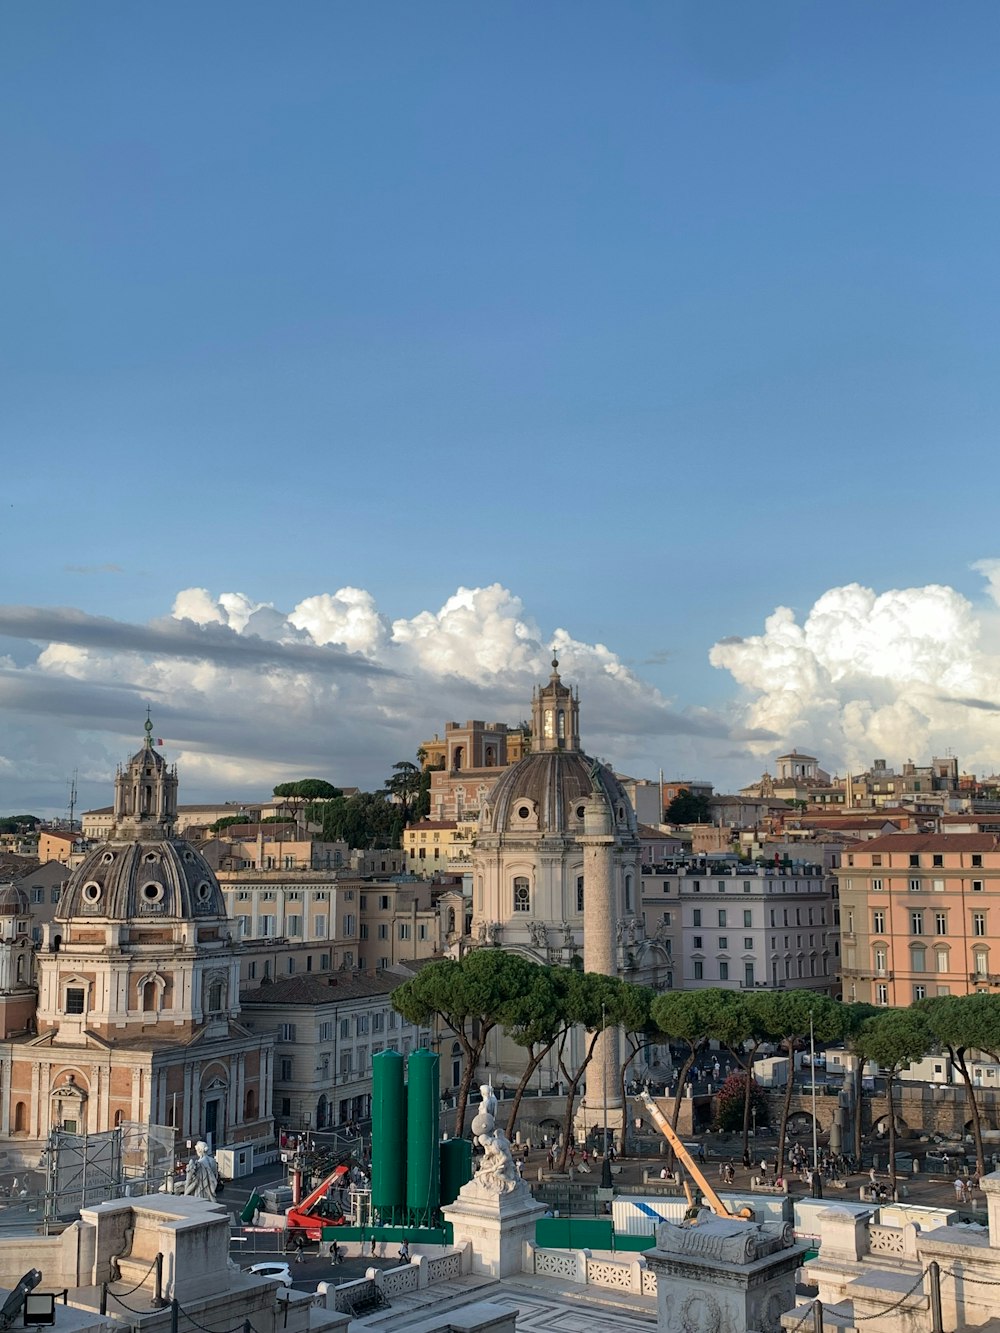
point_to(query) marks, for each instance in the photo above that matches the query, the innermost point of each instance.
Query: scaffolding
(86, 1169)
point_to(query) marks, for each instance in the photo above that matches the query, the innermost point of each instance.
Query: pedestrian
(959, 1190)
(372, 1251)
(335, 1256)
(701, 1152)
(300, 1247)
(404, 1252)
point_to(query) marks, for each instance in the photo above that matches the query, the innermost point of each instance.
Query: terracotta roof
(315, 990)
(932, 842)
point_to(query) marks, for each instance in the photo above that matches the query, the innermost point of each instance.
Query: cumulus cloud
(900, 674)
(249, 693)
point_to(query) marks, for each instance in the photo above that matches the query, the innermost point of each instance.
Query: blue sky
(660, 316)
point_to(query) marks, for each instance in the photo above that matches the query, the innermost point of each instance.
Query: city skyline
(357, 356)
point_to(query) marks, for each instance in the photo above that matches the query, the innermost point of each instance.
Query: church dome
(156, 879)
(13, 901)
(548, 792)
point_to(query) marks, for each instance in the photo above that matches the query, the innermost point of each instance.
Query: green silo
(388, 1134)
(456, 1167)
(423, 1179)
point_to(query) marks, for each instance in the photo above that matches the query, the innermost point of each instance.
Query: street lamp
(817, 1187)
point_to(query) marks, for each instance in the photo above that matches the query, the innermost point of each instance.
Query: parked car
(280, 1271)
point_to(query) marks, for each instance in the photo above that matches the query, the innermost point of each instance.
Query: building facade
(920, 915)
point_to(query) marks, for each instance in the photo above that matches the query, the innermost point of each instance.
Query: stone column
(600, 911)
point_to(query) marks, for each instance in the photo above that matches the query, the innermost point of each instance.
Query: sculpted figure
(202, 1177)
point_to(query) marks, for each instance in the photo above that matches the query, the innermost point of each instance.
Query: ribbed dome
(151, 880)
(547, 793)
(13, 901)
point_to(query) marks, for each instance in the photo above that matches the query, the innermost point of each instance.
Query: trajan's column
(599, 924)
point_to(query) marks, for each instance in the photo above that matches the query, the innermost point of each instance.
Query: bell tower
(145, 794)
(555, 715)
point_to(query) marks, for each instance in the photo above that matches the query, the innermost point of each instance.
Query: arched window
(215, 994)
(549, 725)
(522, 894)
(451, 920)
(491, 757)
(20, 1118)
(579, 893)
(20, 967)
(561, 724)
(119, 1117)
(250, 1105)
(457, 758)
(628, 893)
(149, 1004)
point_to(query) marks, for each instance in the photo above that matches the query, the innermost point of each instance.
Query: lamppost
(817, 1184)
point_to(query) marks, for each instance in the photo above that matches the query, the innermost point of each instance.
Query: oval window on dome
(580, 811)
(524, 812)
(107, 858)
(91, 892)
(189, 856)
(152, 892)
(151, 858)
(204, 891)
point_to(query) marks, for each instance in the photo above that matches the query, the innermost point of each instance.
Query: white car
(280, 1271)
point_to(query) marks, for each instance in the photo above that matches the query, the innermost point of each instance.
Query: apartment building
(326, 1030)
(746, 928)
(920, 915)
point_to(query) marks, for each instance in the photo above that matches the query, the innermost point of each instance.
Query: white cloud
(899, 674)
(247, 694)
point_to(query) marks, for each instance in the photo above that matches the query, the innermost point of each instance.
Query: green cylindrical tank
(423, 1178)
(388, 1132)
(456, 1167)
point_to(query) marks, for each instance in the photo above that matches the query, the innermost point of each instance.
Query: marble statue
(202, 1177)
(538, 936)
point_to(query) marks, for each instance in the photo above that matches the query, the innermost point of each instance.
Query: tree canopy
(308, 789)
(689, 808)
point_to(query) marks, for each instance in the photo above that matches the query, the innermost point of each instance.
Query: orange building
(920, 915)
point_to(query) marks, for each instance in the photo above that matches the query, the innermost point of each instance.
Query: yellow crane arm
(669, 1133)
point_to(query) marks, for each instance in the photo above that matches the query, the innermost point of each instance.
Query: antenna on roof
(72, 798)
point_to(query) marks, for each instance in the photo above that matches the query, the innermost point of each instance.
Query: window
(918, 959)
(345, 1027)
(326, 1032)
(977, 886)
(977, 859)
(723, 941)
(696, 942)
(916, 923)
(54, 895)
(285, 1070)
(914, 858)
(319, 927)
(383, 902)
(748, 941)
(324, 961)
(363, 931)
(291, 965)
(941, 960)
(746, 886)
(920, 992)
(579, 893)
(215, 997)
(876, 858)
(937, 885)
(878, 923)
(748, 918)
(881, 993)
(293, 926)
(979, 923)
(404, 930)
(37, 895)
(696, 917)
(699, 970)
(981, 962)
(383, 931)
(937, 859)
(914, 885)
(880, 956)
(748, 974)
(722, 916)
(75, 997)
(362, 1021)
(941, 923)
(723, 971)
(876, 886)
(522, 895)
(286, 1031)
